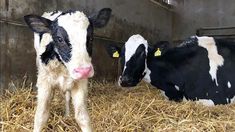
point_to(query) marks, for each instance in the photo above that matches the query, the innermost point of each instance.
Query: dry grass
(114, 109)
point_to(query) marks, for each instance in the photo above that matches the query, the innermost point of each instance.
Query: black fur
(62, 42)
(90, 37)
(61, 47)
(38, 24)
(49, 54)
(134, 68)
(187, 66)
(54, 12)
(40, 37)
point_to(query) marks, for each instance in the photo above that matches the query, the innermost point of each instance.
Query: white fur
(76, 29)
(229, 84)
(55, 74)
(131, 45)
(184, 99)
(215, 60)
(164, 94)
(46, 39)
(232, 100)
(36, 41)
(43, 105)
(49, 15)
(147, 75)
(67, 102)
(36, 35)
(119, 81)
(206, 102)
(130, 48)
(79, 97)
(177, 87)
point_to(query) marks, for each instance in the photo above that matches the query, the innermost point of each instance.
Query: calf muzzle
(82, 72)
(127, 82)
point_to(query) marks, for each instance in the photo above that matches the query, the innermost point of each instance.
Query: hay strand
(115, 109)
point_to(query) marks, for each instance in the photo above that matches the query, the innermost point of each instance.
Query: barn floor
(114, 109)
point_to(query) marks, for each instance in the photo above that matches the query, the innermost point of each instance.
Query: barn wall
(16, 40)
(193, 14)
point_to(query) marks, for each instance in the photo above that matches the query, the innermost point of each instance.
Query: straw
(115, 109)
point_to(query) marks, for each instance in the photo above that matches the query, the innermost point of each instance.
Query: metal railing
(162, 3)
(16, 23)
(222, 32)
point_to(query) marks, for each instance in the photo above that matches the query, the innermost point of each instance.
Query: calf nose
(84, 71)
(126, 81)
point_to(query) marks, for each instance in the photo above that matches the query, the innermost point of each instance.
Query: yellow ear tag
(158, 52)
(116, 54)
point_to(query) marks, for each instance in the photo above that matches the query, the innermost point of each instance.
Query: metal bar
(219, 35)
(107, 39)
(24, 25)
(12, 22)
(167, 6)
(216, 28)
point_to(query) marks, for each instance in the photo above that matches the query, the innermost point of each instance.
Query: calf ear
(38, 24)
(160, 48)
(157, 52)
(100, 19)
(113, 51)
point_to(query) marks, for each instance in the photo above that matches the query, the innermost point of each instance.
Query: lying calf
(63, 47)
(200, 69)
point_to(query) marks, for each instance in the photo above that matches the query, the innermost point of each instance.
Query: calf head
(133, 60)
(71, 35)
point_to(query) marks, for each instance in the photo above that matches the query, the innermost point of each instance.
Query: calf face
(70, 36)
(133, 60)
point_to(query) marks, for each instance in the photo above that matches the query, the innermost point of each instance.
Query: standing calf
(63, 47)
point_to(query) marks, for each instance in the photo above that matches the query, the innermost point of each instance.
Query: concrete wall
(193, 14)
(129, 17)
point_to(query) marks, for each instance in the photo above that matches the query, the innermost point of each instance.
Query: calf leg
(79, 98)
(42, 112)
(67, 102)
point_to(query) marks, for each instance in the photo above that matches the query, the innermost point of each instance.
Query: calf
(200, 69)
(63, 47)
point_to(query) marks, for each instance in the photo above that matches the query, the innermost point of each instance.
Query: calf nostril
(125, 79)
(83, 70)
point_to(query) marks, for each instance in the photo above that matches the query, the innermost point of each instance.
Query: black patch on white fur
(62, 42)
(54, 12)
(67, 12)
(90, 37)
(61, 47)
(40, 37)
(135, 67)
(49, 54)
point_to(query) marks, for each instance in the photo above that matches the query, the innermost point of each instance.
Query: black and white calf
(63, 47)
(200, 69)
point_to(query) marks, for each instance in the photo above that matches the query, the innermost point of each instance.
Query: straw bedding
(115, 109)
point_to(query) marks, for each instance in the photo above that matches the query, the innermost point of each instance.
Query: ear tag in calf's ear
(158, 52)
(116, 54)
